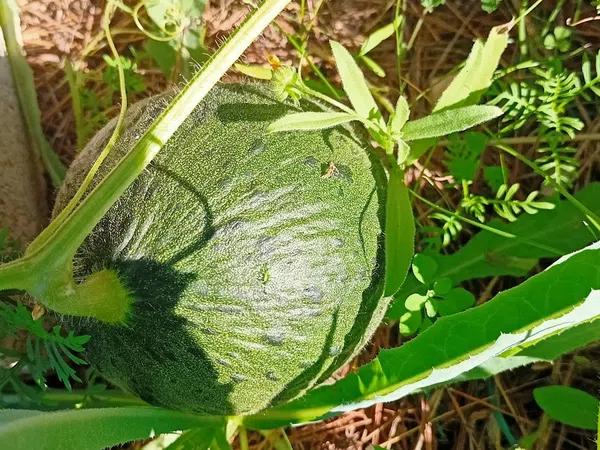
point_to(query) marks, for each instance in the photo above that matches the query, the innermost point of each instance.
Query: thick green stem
(16, 275)
(101, 295)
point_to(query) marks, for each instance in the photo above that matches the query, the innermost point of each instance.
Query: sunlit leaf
(354, 82)
(478, 71)
(375, 68)
(310, 121)
(400, 115)
(449, 121)
(255, 71)
(377, 37)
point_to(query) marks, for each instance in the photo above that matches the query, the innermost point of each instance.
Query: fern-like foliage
(547, 96)
(519, 100)
(558, 90)
(558, 160)
(450, 227)
(39, 351)
(504, 204)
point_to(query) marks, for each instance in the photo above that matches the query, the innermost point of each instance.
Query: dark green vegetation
(252, 258)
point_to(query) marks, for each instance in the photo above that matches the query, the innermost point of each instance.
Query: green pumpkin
(253, 260)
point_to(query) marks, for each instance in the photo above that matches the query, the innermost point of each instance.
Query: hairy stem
(17, 275)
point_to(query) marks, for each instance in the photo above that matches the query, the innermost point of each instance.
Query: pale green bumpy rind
(254, 259)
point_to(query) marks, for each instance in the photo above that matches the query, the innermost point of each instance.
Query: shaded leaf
(547, 234)
(399, 232)
(442, 286)
(568, 405)
(410, 322)
(424, 268)
(455, 301)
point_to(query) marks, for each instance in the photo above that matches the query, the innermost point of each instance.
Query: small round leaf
(424, 267)
(457, 300)
(414, 302)
(442, 286)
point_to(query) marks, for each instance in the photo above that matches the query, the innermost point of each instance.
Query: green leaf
(477, 73)
(400, 115)
(442, 286)
(449, 121)
(163, 54)
(353, 82)
(424, 268)
(194, 439)
(168, 14)
(563, 296)
(310, 121)
(455, 301)
(489, 6)
(569, 340)
(255, 71)
(547, 234)
(377, 37)
(493, 176)
(410, 322)
(568, 405)
(375, 68)
(399, 232)
(415, 302)
(430, 5)
(91, 428)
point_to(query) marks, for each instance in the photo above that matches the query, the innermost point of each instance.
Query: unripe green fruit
(253, 260)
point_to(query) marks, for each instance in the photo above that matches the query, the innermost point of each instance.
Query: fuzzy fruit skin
(255, 266)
